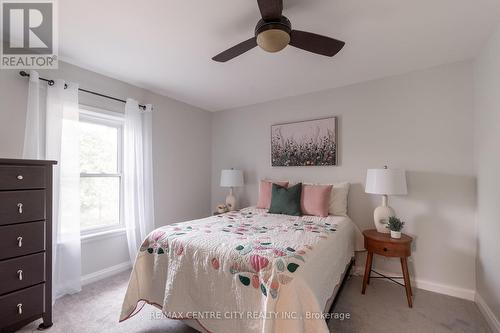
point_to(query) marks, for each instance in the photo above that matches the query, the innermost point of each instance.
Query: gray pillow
(286, 200)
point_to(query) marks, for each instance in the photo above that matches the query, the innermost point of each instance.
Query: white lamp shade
(231, 178)
(386, 181)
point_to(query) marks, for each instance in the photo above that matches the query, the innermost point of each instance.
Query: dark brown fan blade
(315, 43)
(270, 9)
(236, 50)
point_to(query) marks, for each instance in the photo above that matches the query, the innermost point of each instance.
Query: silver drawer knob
(19, 241)
(20, 208)
(20, 274)
(20, 177)
(20, 309)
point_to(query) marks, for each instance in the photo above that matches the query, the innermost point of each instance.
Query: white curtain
(32, 137)
(138, 175)
(60, 138)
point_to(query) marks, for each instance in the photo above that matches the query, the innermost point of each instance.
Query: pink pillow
(315, 199)
(265, 191)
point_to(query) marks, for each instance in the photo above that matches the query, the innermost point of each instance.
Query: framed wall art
(304, 143)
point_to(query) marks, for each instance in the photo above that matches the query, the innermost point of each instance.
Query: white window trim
(114, 119)
(103, 234)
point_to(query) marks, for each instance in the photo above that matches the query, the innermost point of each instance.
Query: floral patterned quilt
(245, 271)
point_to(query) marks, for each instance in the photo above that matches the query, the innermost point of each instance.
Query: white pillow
(338, 198)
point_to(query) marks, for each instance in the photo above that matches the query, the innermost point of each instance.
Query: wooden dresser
(25, 243)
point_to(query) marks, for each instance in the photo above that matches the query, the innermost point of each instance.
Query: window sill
(103, 234)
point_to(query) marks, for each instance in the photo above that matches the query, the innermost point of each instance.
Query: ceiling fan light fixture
(273, 35)
(273, 40)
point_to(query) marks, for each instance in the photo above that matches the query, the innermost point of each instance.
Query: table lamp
(231, 178)
(385, 182)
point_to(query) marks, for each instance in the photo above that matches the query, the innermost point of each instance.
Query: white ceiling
(166, 46)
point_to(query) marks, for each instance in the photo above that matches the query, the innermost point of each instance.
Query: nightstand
(384, 245)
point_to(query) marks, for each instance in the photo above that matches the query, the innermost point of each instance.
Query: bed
(245, 271)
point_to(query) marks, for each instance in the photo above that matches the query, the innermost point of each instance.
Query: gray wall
(421, 122)
(487, 84)
(181, 150)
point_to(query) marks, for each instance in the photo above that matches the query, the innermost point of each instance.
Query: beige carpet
(382, 309)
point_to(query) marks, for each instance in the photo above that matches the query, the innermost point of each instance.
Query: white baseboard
(104, 273)
(492, 320)
(468, 294)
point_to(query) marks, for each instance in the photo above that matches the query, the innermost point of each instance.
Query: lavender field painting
(305, 143)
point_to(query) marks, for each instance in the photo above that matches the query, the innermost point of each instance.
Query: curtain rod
(51, 83)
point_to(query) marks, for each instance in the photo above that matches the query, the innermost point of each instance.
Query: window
(101, 183)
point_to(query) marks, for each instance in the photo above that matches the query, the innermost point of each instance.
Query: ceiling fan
(274, 32)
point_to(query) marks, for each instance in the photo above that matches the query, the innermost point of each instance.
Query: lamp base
(231, 201)
(381, 218)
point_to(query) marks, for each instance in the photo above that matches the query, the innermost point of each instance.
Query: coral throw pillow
(315, 199)
(265, 191)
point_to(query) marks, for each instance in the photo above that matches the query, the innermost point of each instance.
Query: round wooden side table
(384, 245)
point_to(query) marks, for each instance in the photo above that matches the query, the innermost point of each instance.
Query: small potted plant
(395, 225)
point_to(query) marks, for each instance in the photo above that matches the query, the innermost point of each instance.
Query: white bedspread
(246, 271)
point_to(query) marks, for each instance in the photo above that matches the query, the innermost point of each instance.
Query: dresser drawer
(22, 239)
(21, 272)
(13, 177)
(21, 305)
(22, 206)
